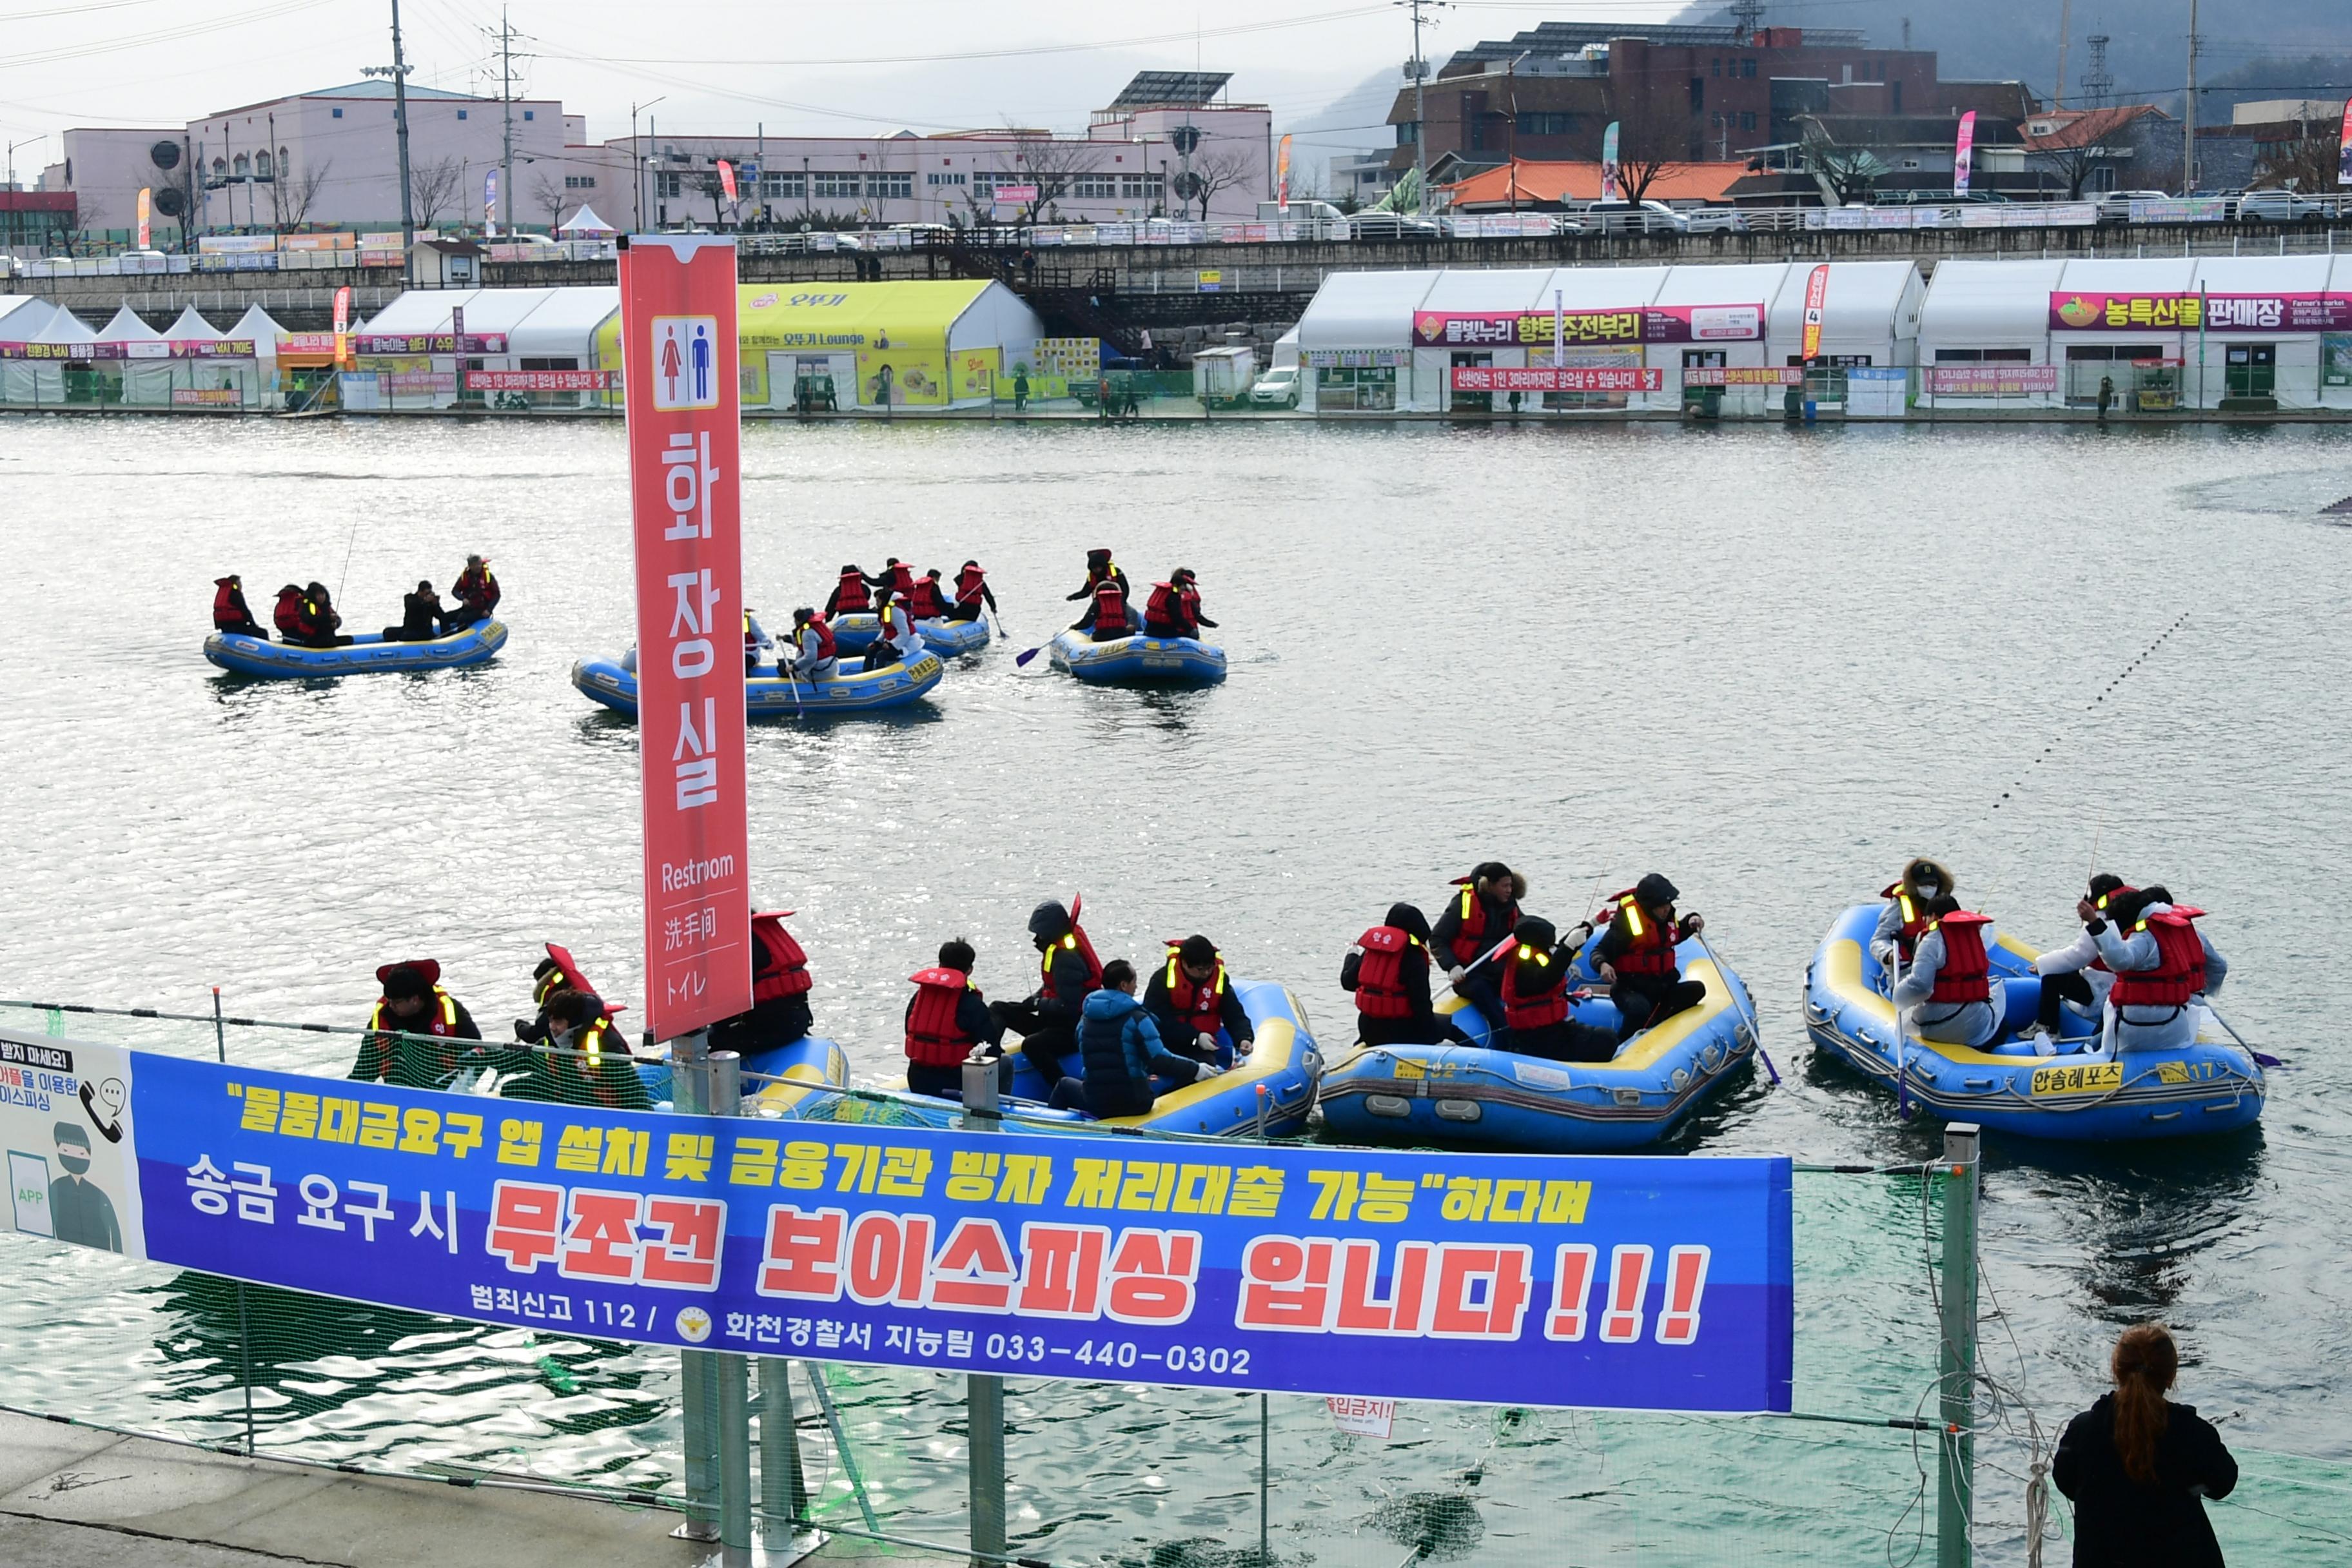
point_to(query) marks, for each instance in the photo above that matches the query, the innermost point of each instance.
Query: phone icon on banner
(686, 361)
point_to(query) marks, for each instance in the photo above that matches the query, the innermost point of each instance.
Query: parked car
(1649, 217)
(2114, 206)
(1390, 226)
(1279, 385)
(2277, 206)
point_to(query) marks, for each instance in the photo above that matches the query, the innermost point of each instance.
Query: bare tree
(1656, 136)
(1848, 171)
(432, 188)
(291, 195)
(1050, 165)
(548, 192)
(2307, 164)
(1215, 171)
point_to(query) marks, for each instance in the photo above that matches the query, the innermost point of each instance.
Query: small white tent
(257, 325)
(43, 381)
(586, 224)
(146, 362)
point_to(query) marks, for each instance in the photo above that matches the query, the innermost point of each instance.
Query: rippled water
(1769, 663)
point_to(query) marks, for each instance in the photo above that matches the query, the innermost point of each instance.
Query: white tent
(208, 374)
(1981, 315)
(1355, 342)
(1733, 289)
(2130, 355)
(257, 325)
(586, 222)
(44, 381)
(146, 366)
(188, 327)
(2251, 349)
(22, 315)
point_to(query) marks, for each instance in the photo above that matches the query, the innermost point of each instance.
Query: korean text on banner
(1557, 1280)
(343, 327)
(146, 211)
(1817, 289)
(1963, 154)
(680, 351)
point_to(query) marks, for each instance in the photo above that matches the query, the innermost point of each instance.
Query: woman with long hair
(2138, 1467)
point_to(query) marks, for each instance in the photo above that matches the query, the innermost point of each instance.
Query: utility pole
(506, 94)
(400, 131)
(2065, 26)
(2188, 126)
(1420, 68)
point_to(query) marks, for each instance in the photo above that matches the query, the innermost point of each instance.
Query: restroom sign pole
(679, 360)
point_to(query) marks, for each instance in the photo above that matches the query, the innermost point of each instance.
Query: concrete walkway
(73, 1497)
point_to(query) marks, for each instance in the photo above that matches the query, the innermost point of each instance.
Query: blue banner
(1559, 1280)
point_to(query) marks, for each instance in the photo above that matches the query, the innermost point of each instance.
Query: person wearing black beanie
(1191, 998)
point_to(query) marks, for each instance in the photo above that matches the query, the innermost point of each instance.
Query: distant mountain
(2148, 47)
(1354, 122)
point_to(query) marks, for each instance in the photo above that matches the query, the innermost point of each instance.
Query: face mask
(75, 1164)
(1929, 890)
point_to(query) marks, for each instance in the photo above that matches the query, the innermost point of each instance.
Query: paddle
(2260, 1058)
(1755, 1030)
(1902, 1040)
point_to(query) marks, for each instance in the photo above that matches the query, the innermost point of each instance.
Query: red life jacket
(1165, 605)
(1915, 919)
(1380, 973)
(902, 580)
(1074, 940)
(2179, 972)
(476, 588)
(852, 598)
(1537, 1010)
(932, 1037)
(1653, 950)
(1469, 944)
(924, 601)
(824, 636)
(1110, 604)
(967, 585)
(440, 1017)
(1201, 1006)
(288, 614)
(1965, 976)
(787, 966)
(228, 604)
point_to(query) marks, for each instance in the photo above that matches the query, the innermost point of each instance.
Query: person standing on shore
(2138, 1467)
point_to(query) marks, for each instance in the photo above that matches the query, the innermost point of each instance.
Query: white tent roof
(1988, 305)
(1363, 309)
(256, 324)
(585, 221)
(1741, 283)
(422, 310)
(190, 327)
(64, 327)
(2131, 275)
(2264, 274)
(1868, 305)
(1603, 288)
(1489, 288)
(125, 327)
(996, 317)
(21, 315)
(564, 323)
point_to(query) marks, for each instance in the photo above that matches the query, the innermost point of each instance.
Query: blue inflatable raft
(948, 639)
(1284, 1063)
(766, 696)
(2085, 1093)
(1450, 1095)
(782, 1084)
(367, 654)
(1139, 661)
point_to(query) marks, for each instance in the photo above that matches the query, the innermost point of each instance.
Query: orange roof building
(1548, 185)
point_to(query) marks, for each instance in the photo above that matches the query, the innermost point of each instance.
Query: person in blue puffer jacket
(1122, 1051)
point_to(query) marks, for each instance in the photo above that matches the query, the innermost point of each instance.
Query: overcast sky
(727, 65)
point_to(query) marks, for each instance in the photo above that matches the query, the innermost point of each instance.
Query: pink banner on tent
(2297, 312)
(458, 343)
(178, 348)
(1632, 324)
(1994, 379)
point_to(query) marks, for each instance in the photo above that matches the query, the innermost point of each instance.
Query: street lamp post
(16, 218)
(1511, 94)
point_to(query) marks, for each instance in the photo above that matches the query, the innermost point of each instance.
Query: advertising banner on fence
(2293, 312)
(538, 380)
(1540, 378)
(1632, 324)
(1744, 375)
(1557, 1280)
(1991, 380)
(679, 351)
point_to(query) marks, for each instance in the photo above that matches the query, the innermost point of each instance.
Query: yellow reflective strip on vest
(448, 1007)
(1632, 912)
(1910, 913)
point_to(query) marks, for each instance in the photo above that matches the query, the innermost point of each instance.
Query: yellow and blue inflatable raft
(1139, 661)
(948, 639)
(2087, 1092)
(613, 684)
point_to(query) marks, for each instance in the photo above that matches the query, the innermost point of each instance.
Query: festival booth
(1355, 341)
(2120, 321)
(1870, 331)
(1984, 336)
(520, 348)
(138, 361)
(1470, 321)
(840, 346)
(1605, 316)
(257, 328)
(217, 370)
(553, 358)
(2266, 320)
(1706, 337)
(51, 367)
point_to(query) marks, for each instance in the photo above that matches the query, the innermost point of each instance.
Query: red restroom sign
(679, 354)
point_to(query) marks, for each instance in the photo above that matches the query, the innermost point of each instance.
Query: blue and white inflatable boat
(782, 1084)
(1450, 1095)
(367, 654)
(1284, 1063)
(948, 639)
(613, 683)
(2087, 1092)
(1139, 661)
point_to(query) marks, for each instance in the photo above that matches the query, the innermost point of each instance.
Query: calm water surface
(1769, 663)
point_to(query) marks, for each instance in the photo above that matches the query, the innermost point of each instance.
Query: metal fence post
(732, 1374)
(696, 1094)
(983, 1392)
(783, 1486)
(1955, 1366)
